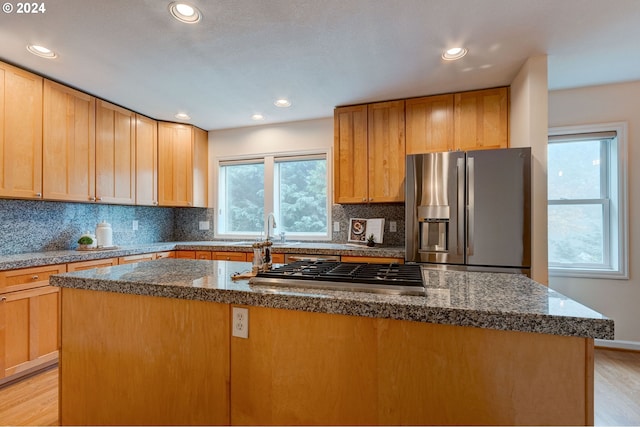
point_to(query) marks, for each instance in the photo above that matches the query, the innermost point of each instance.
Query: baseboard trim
(618, 344)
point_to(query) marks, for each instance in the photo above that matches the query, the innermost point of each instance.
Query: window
(587, 201)
(294, 188)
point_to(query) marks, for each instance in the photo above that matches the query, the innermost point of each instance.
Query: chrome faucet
(268, 224)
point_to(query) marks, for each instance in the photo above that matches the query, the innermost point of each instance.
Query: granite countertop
(486, 300)
(36, 259)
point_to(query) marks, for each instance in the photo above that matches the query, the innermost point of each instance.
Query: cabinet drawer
(88, 265)
(168, 254)
(186, 254)
(230, 256)
(204, 255)
(136, 258)
(27, 278)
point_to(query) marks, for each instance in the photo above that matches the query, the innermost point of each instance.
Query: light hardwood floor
(34, 401)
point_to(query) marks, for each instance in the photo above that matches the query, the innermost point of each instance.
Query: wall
(617, 299)
(34, 225)
(291, 137)
(528, 128)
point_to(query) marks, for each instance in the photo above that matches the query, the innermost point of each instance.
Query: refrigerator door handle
(461, 207)
(470, 204)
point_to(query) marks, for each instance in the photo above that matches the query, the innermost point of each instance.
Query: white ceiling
(318, 53)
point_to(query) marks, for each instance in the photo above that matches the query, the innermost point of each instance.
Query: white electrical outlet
(393, 227)
(134, 225)
(240, 322)
(336, 226)
(203, 225)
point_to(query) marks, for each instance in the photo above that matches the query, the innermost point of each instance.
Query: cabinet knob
(371, 199)
(34, 277)
(98, 199)
(155, 203)
(364, 199)
(39, 195)
(3, 299)
(228, 258)
(92, 199)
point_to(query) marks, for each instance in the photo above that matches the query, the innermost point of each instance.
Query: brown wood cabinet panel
(386, 152)
(200, 167)
(175, 371)
(20, 133)
(146, 161)
(482, 119)
(27, 278)
(229, 256)
(186, 254)
(350, 155)
(167, 254)
(131, 259)
(175, 164)
(115, 154)
(69, 158)
(32, 319)
(88, 265)
(429, 122)
(204, 255)
(366, 371)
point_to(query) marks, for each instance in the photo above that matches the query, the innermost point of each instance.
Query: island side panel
(443, 374)
(132, 360)
(312, 368)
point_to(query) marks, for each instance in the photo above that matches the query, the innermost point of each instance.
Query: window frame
(615, 227)
(270, 160)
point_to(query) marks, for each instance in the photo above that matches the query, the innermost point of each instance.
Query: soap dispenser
(104, 235)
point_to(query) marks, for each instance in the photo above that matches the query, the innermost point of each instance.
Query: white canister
(104, 235)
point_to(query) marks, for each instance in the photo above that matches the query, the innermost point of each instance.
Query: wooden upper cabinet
(69, 157)
(386, 148)
(350, 155)
(429, 122)
(115, 154)
(146, 161)
(175, 164)
(20, 133)
(482, 119)
(200, 167)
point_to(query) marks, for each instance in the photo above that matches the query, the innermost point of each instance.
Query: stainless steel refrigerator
(470, 210)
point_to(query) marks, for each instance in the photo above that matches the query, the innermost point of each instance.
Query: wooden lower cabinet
(300, 368)
(88, 265)
(175, 371)
(186, 254)
(29, 320)
(229, 256)
(31, 329)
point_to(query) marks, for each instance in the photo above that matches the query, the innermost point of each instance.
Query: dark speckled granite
(485, 300)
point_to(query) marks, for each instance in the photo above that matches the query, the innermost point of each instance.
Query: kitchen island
(151, 343)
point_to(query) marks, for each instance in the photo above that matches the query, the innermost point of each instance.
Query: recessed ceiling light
(184, 12)
(182, 116)
(282, 103)
(257, 117)
(454, 53)
(41, 51)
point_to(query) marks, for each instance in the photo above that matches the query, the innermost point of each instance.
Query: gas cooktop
(399, 279)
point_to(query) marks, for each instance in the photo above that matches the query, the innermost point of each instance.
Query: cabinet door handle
(34, 277)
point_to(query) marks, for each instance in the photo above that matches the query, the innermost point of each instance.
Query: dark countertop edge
(505, 321)
(38, 259)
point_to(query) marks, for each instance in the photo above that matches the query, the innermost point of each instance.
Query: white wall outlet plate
(393, 226)
(240, 322)
(134, 225)
(203, 225)
(336, 226)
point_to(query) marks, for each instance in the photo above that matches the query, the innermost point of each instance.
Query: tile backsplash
(35, 226)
